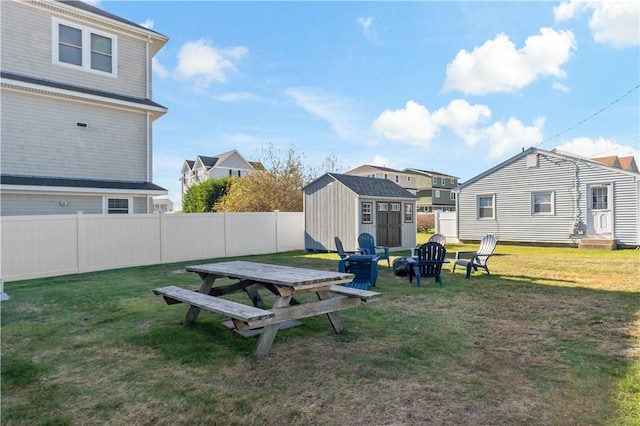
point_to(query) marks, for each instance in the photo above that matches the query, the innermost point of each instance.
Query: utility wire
(590, 117)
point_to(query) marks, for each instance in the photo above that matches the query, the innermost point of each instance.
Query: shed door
(600, 214)
(389, 225)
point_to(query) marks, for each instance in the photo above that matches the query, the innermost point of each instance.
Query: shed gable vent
(532, 160)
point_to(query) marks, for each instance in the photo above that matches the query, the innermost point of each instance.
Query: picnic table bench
(284, 282)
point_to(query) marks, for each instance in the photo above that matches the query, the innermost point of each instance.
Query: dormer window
(83, 47)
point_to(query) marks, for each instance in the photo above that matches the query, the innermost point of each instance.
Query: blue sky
(455, 87)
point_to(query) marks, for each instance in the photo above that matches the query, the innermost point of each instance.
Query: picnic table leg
(336, 320)
(205, 288)
(269, 332)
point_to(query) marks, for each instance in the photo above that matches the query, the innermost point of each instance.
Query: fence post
(436, 221)
(80, 246)
(277, 218)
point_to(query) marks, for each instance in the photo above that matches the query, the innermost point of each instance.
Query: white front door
(599, 214)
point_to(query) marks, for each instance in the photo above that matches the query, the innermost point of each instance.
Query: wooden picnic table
(285, 282)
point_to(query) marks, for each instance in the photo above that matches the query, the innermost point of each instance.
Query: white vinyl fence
(45, 246)
(446, 224)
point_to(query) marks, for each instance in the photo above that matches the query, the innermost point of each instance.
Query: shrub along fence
(44, 246)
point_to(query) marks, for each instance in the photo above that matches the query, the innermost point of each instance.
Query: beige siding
(26, 34)
(40, 138)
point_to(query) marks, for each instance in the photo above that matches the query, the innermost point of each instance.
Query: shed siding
(40, 138)
(330, 211)
(26, 34)
(513, 185)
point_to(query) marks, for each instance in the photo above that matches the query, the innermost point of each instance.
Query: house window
(434, 180)
(383, 207)
(452, 196)
(386, 176)
(542, 202)
(408, 212)
(83, 47)
(486, 207)
(599, 198)
(397, 178)
(234, 173)
(395, 207)
(367, 210)
(117, 205)
(408, 178)
(437, 193)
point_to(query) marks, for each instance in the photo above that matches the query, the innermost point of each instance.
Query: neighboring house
(434, 190)
(626, 163)
(226, 164)
(404, 179)
(77, 111)
(162, 205)
(340, 205)
(552, 197)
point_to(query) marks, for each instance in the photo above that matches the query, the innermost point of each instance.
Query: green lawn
(552, 337)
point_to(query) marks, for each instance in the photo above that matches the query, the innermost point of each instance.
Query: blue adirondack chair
(477, 259)
(365, 269)
(428, 262)
(367, 245)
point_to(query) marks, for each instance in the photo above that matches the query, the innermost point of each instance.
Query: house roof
(88, 8)
(532, 150)
(629, 163)
(142, 103)
(372, 187)
(371, 167)
(36, 181)
(427, 173)
(626, 163)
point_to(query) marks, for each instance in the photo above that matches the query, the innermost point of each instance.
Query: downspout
(148, 123)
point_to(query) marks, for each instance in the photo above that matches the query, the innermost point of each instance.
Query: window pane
(542, 198)
(100, 44)
(118, 206)
(70, 55)
(100, 62)
(68, 35)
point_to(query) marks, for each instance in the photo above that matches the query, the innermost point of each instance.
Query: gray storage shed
(337, 205)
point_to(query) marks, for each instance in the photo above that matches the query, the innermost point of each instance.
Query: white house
(229, 163)
(77, 110)
(552, 197)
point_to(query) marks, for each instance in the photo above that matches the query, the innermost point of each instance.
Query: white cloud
(612, 22)
(335, 110)
(601, 147)
(201, 62)
(462, 118)
(498, 66)
(239, 97)
(504, 137)
(561, 87)
(366, 23)
(413, 124)
(147, 24)
(380, 161)
(159, 69)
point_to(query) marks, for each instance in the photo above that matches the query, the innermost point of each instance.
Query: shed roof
(372, 187)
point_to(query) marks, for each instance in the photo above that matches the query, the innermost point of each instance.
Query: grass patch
(551, 337)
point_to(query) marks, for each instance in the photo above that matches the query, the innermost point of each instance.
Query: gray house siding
(73, 136)
(41, 138)
(22, 21)
(512, 186)
(44, 204)
(330, 210)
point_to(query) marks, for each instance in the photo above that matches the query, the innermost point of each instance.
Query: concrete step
(598, 243)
